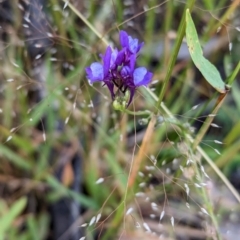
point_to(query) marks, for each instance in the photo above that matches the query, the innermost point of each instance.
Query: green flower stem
(180, 35)
(138, 113)
(232, 77)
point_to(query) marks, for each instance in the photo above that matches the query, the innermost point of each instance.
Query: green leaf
(61, 190)
(15, 158)
(7, 220)
(208, 70)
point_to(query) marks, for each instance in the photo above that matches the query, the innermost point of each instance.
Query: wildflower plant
(118, 71)
(140, 174)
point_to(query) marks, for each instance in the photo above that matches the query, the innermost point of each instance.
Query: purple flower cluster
(118, 70)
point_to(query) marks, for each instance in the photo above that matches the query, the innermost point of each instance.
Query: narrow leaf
(15, 158)
(208, 70)
(7, 220)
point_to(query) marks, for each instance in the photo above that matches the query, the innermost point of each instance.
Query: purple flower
(99, 72)
(95, 72)
(133, 78)
(118, 69)
(141, 77)
(129, 43)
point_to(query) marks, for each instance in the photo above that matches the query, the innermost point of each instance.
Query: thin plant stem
(208, 121)
(138, 113)
(150, 129)
(208, 204)
(86, 21)
(180, 35)
(200, 150)
(232, 77)
(224, 18)
(142, 151)
(219, 103)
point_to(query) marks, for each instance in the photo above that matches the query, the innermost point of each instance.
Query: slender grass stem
(232, 77)
(201, 151)
(225, 17)
(81, 16)
(180, 35)
(219, 103)
(208, 121)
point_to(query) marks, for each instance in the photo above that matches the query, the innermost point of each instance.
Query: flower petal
(147, 78)
(95, 72)
(139, 47)
(134, 47)
(132, 91)
(132, 61)
(114, 56)
(110, 86)
(133, 44)
(107, 60)
(120, 57)
(123, 38)
(141, 76)
(125, 71)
